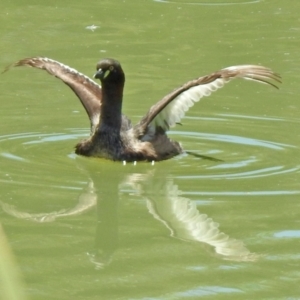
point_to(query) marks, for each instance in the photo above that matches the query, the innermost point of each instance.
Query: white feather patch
(176, 110)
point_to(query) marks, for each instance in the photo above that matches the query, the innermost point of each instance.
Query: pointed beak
(99, 74)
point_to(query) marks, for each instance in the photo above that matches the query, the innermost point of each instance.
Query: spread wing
(171, 109)
(88, 92)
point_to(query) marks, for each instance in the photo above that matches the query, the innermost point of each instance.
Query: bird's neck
(111, 107)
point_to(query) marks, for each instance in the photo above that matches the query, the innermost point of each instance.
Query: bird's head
(109, 71)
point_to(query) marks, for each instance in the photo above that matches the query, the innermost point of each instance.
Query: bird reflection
(184, 221)
(86, 201)
(165, 203)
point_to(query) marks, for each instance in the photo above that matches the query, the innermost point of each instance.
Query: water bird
(112, 134)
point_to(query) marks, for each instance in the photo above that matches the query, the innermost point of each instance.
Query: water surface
(185, 228)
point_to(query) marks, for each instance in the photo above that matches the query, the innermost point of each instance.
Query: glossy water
(185, 228)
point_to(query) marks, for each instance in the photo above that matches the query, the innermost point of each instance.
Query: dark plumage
(112, 134)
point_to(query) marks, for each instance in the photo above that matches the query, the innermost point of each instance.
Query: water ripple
(248, 160)
(236, 140)
(35, 158)
(211, 3)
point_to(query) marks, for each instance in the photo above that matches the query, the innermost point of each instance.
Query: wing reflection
(181, 216)
(86, 201)
(183, 219)
(164, 202)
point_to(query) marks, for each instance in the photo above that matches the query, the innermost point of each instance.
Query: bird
(112, 135)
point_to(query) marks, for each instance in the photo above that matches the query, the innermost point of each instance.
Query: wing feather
(172, 108)
(88, 92)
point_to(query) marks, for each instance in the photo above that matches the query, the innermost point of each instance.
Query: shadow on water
(164, 203)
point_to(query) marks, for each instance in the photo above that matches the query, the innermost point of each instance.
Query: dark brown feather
(252, 72)
(88, 92)
(112, 135)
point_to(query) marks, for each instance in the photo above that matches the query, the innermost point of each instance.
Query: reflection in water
(242, 166)
(234, 139)
(86, 201)
(217, 3)
(181, 216)
(208, 291)
(164, 202)
(106, 239)
(287, 234)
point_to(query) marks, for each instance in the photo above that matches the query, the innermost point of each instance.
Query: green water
(187, 228)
